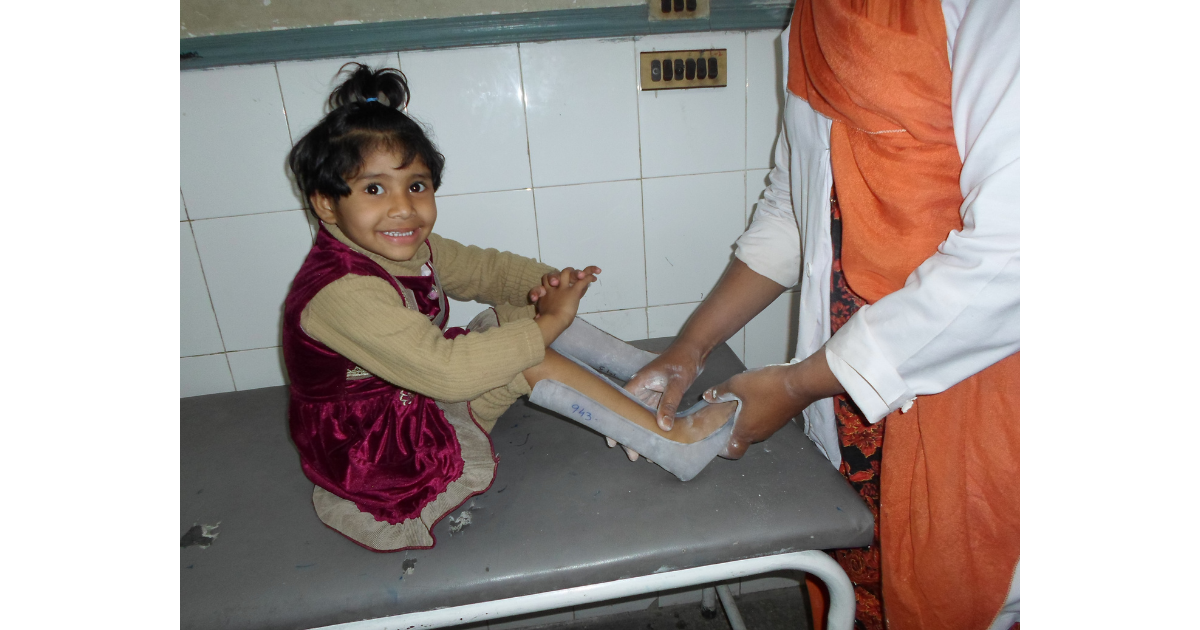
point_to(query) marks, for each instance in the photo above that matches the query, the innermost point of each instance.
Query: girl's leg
(687, 430)
(603, 352)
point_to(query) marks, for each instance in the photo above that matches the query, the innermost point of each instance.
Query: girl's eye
(418, 187)
(374, 189)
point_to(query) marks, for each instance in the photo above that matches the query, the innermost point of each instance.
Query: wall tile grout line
(229, 367)
(248, 214)
(607, 181)
(209, 354)
(746, 103)
(732, 170)
(537, 231)
(616, 310)
(697, 302)
(637, 100)
(197, 356)
(283, 101)
(208, 292)
(745, 213)
(548, 186)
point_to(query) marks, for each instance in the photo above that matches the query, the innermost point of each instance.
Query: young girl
(388, 405)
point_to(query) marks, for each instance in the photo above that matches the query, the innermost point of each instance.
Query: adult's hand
(771, 396)
(741, 294)
(662, 382)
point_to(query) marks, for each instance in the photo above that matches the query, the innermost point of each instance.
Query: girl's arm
(485, 275)
(363, 319)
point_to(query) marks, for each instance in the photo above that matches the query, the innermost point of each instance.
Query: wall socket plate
(678, 9)
(671, 69)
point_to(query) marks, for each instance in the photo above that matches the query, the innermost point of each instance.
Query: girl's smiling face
(390, 210)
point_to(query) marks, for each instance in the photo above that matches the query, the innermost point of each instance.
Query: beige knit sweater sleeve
(363, 319)
(491, 276)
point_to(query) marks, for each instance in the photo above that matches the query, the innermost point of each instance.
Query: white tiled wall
(696, 131)
(551, 152)
(597, 224)
(471, 101)
(305, 86)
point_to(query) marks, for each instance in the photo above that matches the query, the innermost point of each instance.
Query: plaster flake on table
(463, 519)
(457, 524)
(200, 536)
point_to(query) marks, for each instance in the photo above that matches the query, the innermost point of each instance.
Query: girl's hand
(552, 279)
(560, 301)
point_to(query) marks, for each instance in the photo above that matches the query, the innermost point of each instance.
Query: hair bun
(386, 85)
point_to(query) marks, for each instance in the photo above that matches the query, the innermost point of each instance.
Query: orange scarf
(950, 483)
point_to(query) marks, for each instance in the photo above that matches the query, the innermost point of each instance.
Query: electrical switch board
(678, 9)
(679, 69)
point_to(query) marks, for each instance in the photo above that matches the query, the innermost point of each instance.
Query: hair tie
(371, 100)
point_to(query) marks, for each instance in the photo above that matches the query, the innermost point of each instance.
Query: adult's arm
(767, 262)
(959, 312)
(741, 294)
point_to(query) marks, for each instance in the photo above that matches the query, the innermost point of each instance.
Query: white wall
(551, 152)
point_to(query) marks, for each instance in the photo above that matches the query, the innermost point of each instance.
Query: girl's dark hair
(334, 150)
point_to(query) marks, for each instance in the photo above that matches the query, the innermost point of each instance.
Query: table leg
(708, 602)
(731, 610)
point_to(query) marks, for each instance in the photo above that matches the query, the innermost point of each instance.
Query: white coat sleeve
(959, 312)
(771, 245)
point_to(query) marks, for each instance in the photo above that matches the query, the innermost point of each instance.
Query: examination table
(567, 522)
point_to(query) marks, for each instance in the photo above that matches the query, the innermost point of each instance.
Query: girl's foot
(699, 425)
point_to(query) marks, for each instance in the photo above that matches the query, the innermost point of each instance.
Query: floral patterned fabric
(862, 452)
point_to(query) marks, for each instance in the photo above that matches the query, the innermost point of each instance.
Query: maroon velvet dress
(388, 463)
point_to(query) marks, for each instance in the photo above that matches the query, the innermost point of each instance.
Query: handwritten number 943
(581, 412)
